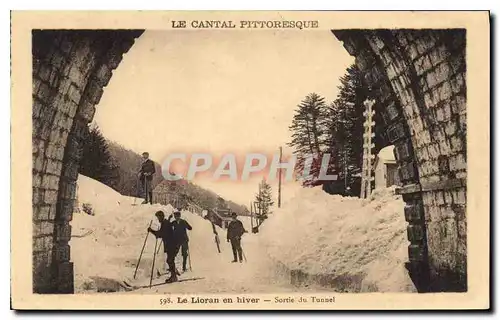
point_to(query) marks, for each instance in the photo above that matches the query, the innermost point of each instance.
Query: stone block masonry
(70, 69)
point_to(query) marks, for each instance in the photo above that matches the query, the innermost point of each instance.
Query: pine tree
(96, 162)
(264, 201)
(309, 133)
(345, 133)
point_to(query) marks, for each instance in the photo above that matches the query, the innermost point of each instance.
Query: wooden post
(251, 216)
(366, 174)
(279, 181)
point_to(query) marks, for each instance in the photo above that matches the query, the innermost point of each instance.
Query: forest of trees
(112, 164)
(335, 128)
(97, 162)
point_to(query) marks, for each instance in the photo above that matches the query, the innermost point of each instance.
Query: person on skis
(180, 233)
(146, 177)
(170, 245)
(235, 230)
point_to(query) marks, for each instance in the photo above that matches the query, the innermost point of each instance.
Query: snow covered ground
(314, 233)
(362, 243)
(105, 249)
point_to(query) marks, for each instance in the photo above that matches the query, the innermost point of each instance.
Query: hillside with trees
(186, 191)
(117, 167)
(112, 164)
(97, 162)
(129, 163)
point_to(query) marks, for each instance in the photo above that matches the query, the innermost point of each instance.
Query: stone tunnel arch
(417, 79)
(70, 70)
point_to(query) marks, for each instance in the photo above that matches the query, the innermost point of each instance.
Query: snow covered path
(117, 239)
(105, 248)
(214, 272)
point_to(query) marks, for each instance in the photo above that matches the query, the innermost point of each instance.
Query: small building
(225, 215)
(213, 216)
(386, 169)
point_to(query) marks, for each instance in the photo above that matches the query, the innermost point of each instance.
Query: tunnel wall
(70, 70)
(419, 84)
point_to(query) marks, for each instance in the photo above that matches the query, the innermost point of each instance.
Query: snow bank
(102, 198)
(362, 241)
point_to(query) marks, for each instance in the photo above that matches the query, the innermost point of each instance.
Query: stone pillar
(70, 69)
(425, 119)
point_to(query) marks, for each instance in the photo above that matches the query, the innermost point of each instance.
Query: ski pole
(189, 257)
(142, 250)
(136, 191)
(159, 247)
(217, 242)
(153, 266)
(157, 252)
(145, 190)
(243, 254)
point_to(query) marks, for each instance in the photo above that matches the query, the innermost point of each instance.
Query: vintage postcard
(271, 160)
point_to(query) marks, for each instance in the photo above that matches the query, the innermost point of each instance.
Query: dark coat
(166, 233)
(147, 166)
(235, 229)
(180, 230)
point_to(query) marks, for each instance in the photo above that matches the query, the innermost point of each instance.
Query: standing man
(235, 230)
(146, 177)
(170, 246)
(180, 233)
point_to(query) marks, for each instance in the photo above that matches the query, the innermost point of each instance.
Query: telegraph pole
(279, 181)
(251, 216)
(345, 149)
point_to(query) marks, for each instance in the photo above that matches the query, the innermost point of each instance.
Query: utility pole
(251, 215)
(279, 181)
(345, 149)
(366, 174)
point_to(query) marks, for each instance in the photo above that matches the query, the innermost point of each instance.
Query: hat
(145, 153)
(234, 214)
(160, 214)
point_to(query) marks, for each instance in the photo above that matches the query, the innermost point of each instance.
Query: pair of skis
(216, 237)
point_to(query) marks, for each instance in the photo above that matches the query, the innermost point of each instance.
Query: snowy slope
(102, 198)
(363, 241)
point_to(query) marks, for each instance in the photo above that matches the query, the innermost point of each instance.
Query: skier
(170, 245)
(180, 227)
(235, 230)
(146, 177)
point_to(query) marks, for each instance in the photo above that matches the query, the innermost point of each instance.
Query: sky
(218, 92)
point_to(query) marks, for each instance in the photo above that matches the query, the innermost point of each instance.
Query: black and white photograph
(261, 161)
